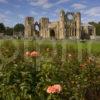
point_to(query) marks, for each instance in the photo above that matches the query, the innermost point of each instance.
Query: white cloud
(21, 16)
(48, 5)
(79, 6)
(5, 19)
(45, 3)
(3, 1)
(8, 20)
(41, 3)
(61, 1)
(33, 13)
(37, 2)
(92, 14)
(95, 11)
(89, 19)
(2, 17)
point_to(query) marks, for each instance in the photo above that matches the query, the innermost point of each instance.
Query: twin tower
(68, 25)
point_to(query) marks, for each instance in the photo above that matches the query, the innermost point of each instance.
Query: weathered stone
(29, 26)
(88, 31)
(68, 25)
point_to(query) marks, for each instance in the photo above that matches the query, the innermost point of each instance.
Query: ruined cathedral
(67, 26)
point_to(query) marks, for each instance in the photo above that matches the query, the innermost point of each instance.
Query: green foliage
(26, 78)
(97, 25)
(2, 28)
(9, 31)
(19, 28)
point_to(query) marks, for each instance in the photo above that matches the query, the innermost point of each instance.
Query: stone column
(57, 34)
(29, 27)
(62, 25)
(78, 25)
(44, 30)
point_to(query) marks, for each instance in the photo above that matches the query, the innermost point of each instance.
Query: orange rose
(54, 89)
(34, 54)
(83, 65)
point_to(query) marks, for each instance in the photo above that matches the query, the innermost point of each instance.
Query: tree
(19, 28)
(98, 29)
(9, 31)
(92, 23)
(2, 28)
(97, 26)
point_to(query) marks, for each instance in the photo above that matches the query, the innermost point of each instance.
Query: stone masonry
(67, 26)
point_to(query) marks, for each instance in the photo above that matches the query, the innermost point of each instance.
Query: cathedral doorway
(52, 34)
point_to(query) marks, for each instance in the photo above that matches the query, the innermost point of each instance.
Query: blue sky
(14, 11)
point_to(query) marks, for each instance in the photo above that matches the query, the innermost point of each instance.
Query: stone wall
(68, 25)
(88, 31)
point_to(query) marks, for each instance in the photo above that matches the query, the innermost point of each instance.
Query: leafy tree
(93, 23)
(9, 31)
(2, 28)
(98, 28)
(97, 25)
(19, 28)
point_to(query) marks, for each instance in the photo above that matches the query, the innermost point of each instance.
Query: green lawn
(92, 47)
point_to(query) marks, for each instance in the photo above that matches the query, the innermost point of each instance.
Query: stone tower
(44, 31)
(62, 25)
(78, 25)
(29, 26)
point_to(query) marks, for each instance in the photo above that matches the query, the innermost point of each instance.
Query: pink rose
(57, 88)
(34, 54)
(27, 53)
(54, 89)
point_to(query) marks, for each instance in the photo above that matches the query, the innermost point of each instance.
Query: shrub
(29, 76)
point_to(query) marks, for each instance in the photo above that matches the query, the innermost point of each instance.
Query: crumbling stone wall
(68, 25)
(88, 31)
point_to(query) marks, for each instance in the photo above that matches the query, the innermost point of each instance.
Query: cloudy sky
(14, 11)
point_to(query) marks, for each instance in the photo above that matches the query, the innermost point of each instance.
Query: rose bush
(46, 72)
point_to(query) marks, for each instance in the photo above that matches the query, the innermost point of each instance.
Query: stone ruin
(68, 26)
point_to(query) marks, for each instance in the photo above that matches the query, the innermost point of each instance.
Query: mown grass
(92, 47)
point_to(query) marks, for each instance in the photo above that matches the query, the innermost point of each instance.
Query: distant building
(1, 35)
(67, 26)
(88, 31)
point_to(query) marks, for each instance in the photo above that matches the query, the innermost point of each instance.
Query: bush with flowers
(47, 72)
